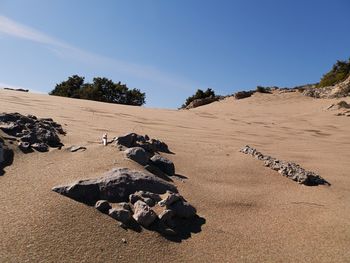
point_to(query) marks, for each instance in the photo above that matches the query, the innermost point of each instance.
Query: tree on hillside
(200, 94)
(339, 72)
(101, 89)
(69, 88)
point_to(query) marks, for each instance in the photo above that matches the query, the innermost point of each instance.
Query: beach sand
(249, 213)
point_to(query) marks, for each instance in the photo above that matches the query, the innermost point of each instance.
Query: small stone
(124, 240)
(103, 206)
(77, 148)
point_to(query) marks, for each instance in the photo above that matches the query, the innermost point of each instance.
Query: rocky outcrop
(31, 132)
(200, 102)
(6, 155)
(115, 186)
(339, 90)
(288, 169)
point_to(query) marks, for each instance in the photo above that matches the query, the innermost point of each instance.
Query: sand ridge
(252, 214)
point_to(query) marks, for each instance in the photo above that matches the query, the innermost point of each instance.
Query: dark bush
(101, 89)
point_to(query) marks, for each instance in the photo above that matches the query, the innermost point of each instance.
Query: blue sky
(169, 49)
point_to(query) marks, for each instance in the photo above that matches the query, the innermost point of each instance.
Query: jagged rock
(137, 154)
(6, 155)
(288, 169)
(120, 214)
(115, 186)
(243, 94)
(143, 214)
(103, 206)
(164, 164)
(159, 146)
(169, 199)
(183, 209)
(2, 156)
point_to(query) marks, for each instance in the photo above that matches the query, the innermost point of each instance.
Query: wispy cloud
(60, 48)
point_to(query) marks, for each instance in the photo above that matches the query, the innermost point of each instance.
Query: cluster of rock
(289, 169)
(31, 132)
(145, 151)
(339, 90)
(131, 196)
(259, 89)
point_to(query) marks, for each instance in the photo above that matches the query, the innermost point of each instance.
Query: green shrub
(101, 89)
(339, 72)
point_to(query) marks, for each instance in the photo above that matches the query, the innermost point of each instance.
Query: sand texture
(249, 213)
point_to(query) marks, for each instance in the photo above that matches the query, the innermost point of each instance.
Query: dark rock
(159, 146)
(40, 147)
(103, 206)
(143, 214)
(137, 154)
(114, 186)
(130, 140)
(24, 147)
(120, 214)
(166, 215)
(183, 209)
(164, 164)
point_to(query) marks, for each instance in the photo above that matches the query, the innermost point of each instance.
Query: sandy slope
(252, 214)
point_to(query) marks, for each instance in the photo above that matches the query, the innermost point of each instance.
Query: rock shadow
(8, 156)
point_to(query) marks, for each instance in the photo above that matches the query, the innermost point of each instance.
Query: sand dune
(250, 213)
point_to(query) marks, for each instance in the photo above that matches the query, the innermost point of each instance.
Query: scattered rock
(103, 206)
(288, 169)
(114, 186)
(164, 164)
(120, 214)
(124, 240)
(143, 214)
(137, 154)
